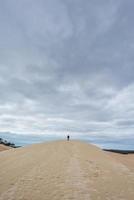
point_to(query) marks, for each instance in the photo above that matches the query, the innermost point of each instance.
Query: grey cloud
(69, 61)
(125, 123)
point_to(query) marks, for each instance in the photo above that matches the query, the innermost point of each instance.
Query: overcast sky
(67, 65)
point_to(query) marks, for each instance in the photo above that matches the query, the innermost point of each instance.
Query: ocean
(103, 142)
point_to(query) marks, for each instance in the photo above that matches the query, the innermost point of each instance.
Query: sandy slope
(63, 170)
(4, 147)
(126, 159)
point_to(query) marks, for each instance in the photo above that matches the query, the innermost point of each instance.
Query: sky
(67, 66)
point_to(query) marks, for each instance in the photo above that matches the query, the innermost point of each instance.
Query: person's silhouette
(68, 137)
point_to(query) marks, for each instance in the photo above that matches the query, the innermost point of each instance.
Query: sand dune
(63, 170)
(4, 147)
(126, 159)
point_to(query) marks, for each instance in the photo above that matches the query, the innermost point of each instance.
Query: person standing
(68, 137)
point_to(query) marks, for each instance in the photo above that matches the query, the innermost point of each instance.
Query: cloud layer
(67, 66)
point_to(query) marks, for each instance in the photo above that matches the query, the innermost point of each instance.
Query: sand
(63, 170)
(4, 147)
(125, 159)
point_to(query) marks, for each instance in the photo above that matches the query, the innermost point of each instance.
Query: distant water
(24, 140)
(103, 142)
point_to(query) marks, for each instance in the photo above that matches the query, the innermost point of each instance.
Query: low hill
(63, 170)
(7, 143)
